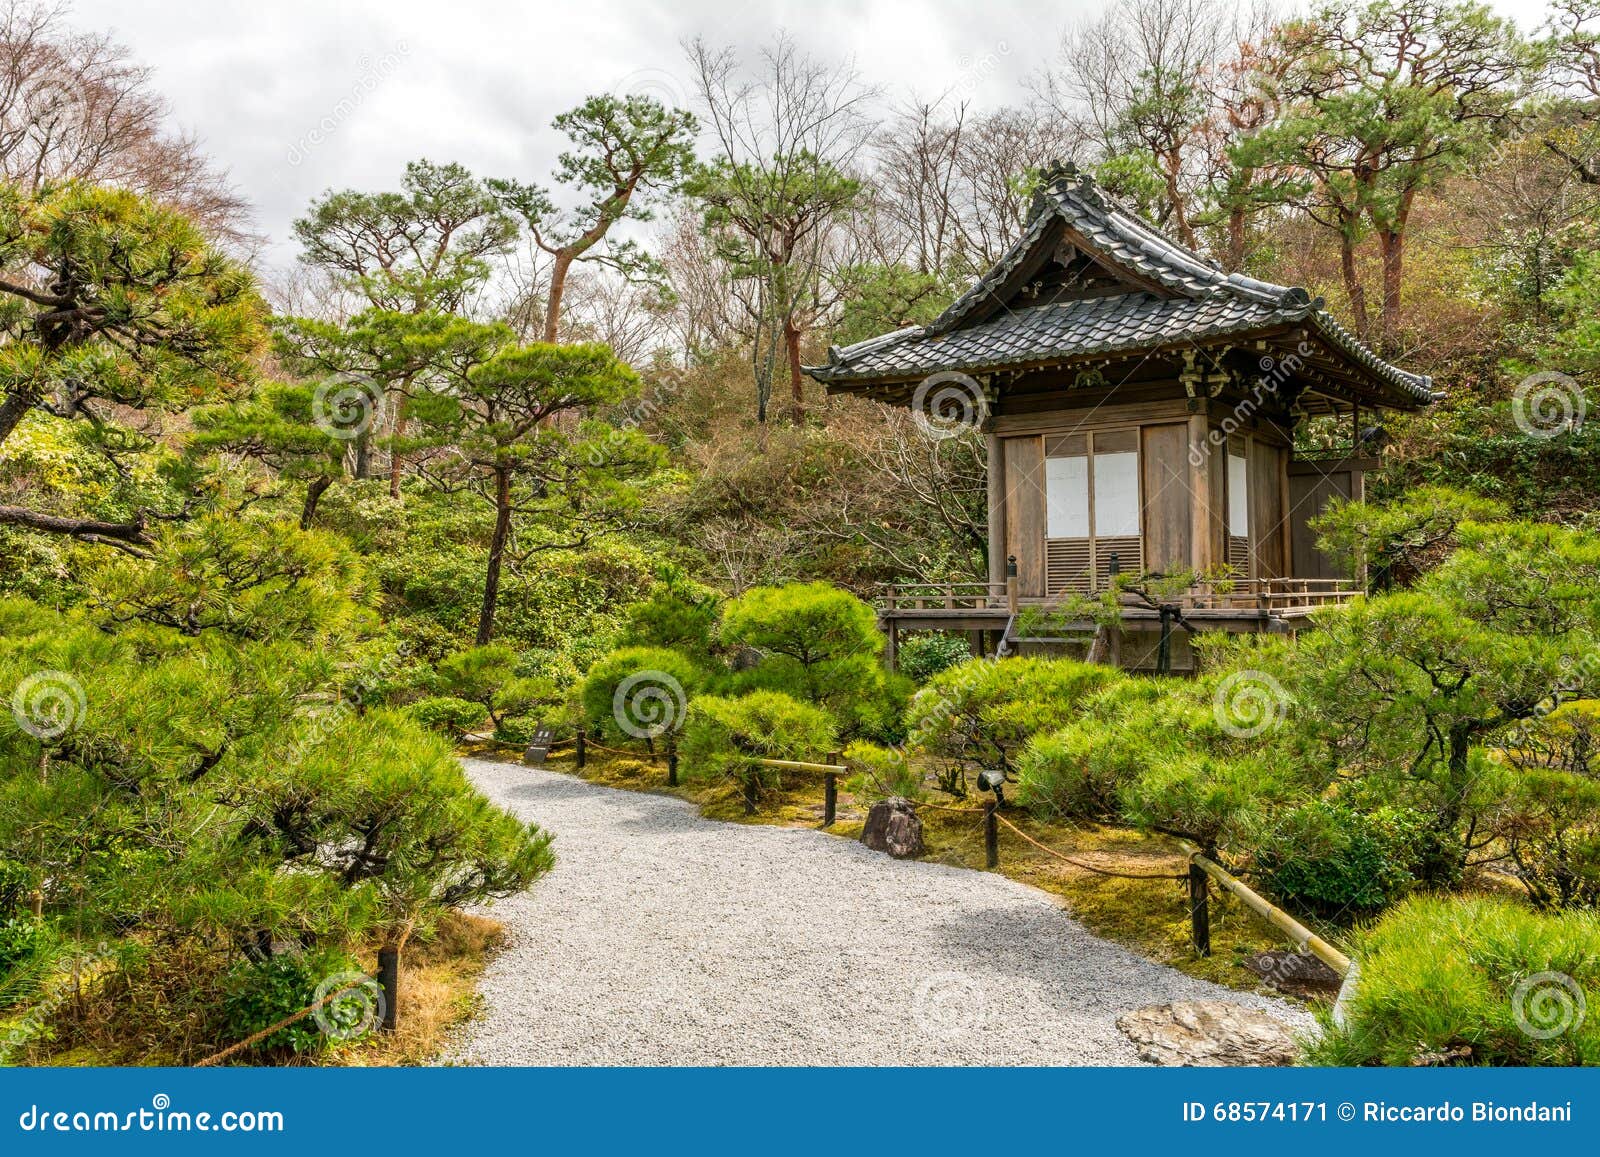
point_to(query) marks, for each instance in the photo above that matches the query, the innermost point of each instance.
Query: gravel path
(665, 938)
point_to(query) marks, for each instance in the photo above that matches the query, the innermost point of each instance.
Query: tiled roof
(980, 332)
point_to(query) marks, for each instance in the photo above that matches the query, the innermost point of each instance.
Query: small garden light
(995, 781)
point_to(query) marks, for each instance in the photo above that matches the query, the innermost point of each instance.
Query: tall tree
(625, 151)
(77, 106)
(492, 416)
(1380, 102)
(423, 250)
(778, 187)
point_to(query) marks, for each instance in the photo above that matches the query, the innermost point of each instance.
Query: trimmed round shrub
(984, 711)
(1470, 981)
(1338, 862)
(723, 735)
(447, 714)
(640, 692)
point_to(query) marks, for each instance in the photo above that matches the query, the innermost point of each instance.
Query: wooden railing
(943, 596)
(1291, 597)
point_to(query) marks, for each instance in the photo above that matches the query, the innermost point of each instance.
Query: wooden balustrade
(1276, 596)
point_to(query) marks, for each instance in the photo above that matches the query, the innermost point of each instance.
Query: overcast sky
(297, 96)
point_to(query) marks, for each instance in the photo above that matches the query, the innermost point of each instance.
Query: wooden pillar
(891, 646)
(997, 510)
(1202, 465)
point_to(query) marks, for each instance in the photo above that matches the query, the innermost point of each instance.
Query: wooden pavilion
(1140, 406)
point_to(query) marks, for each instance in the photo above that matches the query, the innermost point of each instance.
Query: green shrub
(639, 692)
(921, 657)
(1336, 861)
(723, 735)
(820, 644)
(881, 772)
(1474, 981)
(447, 714)
(679, 615)
(983, 711)
(259, 994)
(21, 939)
(1078, 770)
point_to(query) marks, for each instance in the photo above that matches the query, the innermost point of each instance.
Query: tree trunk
(558, 287)
(1236, 240)
(398, 432)
(16, 406)
(1353, 288)
(791, 342)
(314, 491)
(497, 551)
(1392, 245)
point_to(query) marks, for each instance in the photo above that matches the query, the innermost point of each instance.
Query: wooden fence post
(672, 767)
(1199, 909)
(389, 981)
(830, 790)
(991, 834)
(751, 781)
(582, 750)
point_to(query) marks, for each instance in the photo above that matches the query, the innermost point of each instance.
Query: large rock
(893, 826)
(1209, 1032)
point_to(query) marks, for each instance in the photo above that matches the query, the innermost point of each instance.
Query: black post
(583, 750)
(672, 767)
(830, 789)
(389, 981)
(750, 783)
(991, 834)
(1199, 910)
(1164, 649)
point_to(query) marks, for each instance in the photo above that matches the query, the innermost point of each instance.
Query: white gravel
(665, 938)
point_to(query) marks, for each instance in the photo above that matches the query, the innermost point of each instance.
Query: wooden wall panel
(1025, 512)
(1309, 495)
(1268, 487)
(1168, 507)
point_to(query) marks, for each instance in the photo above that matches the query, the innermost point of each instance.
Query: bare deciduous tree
(77, 105)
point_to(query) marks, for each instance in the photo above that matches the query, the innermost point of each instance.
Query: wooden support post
(672, 767)
(389, 981)
(582, 750)
(891, 650)
(991, 834)
(830, 790)
(751, 783)
(1199, 910)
